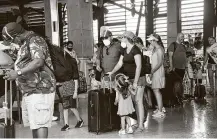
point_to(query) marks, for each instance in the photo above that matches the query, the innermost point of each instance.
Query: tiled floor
(190, 121)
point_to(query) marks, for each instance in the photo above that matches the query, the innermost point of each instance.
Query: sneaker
(54, 118)
(122, 132)
(66, 127)
(79, 124)
(159, 114)
(130, 130)
(139, 130)
(163, 110)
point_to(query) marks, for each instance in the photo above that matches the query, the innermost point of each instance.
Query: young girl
(125, 105)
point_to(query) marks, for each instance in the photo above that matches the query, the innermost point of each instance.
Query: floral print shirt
(41, 81)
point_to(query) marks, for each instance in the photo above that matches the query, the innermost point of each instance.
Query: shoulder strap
(175, 46)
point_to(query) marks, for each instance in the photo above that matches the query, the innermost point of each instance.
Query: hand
(11, 75)
(150, 76)
(135, 85)
(170, 69)
(116, 102)
(75, 95)
(99, 68)
(109, 73)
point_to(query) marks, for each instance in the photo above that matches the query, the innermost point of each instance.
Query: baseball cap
(152, 38)
(128, 34)
(105, 32)
(11, 30)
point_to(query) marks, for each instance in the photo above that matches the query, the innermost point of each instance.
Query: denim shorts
(141, 81)
(37, 110)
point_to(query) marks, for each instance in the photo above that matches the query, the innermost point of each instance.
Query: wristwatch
(19, 72)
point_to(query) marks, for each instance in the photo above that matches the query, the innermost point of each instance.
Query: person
(131, 60)
(71, 51)
(34, 79)
(69, 93)
(211, 65)
(157, 73)
(124, 101)
(109, 53)
(147, 52)
(177, 56)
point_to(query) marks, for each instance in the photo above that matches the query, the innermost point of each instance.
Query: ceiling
(16, 2)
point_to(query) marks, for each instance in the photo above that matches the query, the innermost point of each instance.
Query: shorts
(37, 110)
(141, 81)
(67, 101)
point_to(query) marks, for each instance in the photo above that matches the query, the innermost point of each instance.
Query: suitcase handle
(92, 109)
(5, 104)
(110, 83)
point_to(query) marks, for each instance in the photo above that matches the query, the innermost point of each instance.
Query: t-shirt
(179, 56)
(129, 65)
(109, 56)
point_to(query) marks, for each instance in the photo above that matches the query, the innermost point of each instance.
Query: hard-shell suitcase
(102, 113)
(200, 91)
(7, 125)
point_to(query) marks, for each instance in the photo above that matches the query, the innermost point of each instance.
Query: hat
(105, 32)
(152, 38)
(11, 30)
(128, 34)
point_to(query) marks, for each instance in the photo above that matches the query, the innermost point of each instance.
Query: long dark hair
(159, 40)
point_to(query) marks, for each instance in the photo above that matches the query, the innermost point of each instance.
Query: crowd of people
(33, 72)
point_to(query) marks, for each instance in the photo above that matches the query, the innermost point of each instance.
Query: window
(120, 19)
(160, 22)
(192, 16)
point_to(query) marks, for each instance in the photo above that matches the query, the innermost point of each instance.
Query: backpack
(146, 65)
(60, 64)
(166, 58)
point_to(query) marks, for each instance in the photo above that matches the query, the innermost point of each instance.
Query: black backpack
(61, 66)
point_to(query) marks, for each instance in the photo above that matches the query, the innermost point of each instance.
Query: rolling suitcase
(200, 91)
(7, 125)
(102, 113)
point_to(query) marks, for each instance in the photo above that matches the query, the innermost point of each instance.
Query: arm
(76, 86)
(205, 59)
(171, 59)
(160, 58)
(138, 61)
(32, 66)
(118, 65)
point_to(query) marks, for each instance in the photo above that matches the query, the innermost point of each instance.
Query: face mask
(106, 42)
(150, 48)
(69, 49)
(123, 44)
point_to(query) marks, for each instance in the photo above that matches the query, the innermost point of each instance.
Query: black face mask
(69, 49)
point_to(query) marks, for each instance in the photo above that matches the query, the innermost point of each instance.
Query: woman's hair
(130, 40)
(139, 40)
(70, 42)
(159, 40)
(211, 37)
(122, 86)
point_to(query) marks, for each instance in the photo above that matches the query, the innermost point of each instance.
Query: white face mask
(150, 48)
(123, 44)
(106, 42)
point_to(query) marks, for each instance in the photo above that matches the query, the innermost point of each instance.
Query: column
(80, 24)
(52, 20)
(209, 19)
(173, 20)
(149, 21)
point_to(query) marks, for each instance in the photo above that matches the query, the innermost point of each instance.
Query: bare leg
(66, 116)
(40, 133)
(158, 96)
(140, 106)
(77, 115)
(123, 118)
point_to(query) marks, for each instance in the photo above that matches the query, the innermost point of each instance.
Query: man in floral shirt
(34, 78)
